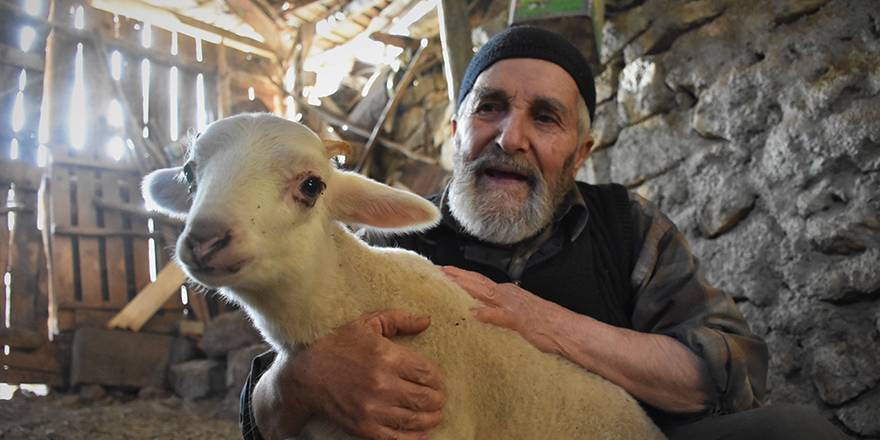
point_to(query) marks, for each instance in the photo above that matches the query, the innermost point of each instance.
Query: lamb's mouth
(217, 271)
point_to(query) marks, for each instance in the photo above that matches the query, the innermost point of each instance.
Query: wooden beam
(224, 96)
(21, 338)
(87, 231)
(14, 56)
(365, 133)
(296, 4)
(139, 211)
(149, 300)
(258, 18)
(18, 376)
(391, 105)
(23, 175)
(455, 36)
(82, 162)
(139, 10)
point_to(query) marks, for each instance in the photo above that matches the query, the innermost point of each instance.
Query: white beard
(494, 215)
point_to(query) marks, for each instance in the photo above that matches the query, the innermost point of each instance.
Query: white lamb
(264, 211)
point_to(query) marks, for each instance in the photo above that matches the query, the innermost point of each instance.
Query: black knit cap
(532, 42)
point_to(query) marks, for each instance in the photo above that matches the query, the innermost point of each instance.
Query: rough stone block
(182, 349)
(228, 332)
(198, 378)
(121, 358)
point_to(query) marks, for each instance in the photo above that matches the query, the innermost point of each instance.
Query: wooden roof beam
(262, 18)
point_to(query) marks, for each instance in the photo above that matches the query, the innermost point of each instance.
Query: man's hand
(359, 379)
(510, 306)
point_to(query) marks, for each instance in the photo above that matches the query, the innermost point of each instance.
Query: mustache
(493, 156)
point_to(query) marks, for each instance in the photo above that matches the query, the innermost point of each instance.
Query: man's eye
(312, 187)
(545, 118)
(487, 107)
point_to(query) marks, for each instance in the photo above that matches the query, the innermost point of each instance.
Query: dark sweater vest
(590, 276)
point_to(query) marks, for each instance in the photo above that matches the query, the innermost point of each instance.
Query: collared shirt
(671, 297)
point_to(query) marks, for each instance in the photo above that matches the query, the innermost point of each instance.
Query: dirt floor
(115, 416)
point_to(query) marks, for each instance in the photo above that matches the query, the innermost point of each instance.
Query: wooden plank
(164, 321)
(25, 60)
(95, 232)
(84, 162)
(159, 105)
(150, 299)
(62, 247)
(139, 246)
(8, 91)
(14, 376)
(25, 251)
(114, 245)
(89, 182)
(39, 361)
(43, 216)
(455, 37)
(112, 203)
(224, 101)
(22, 174)
(21, 338)
(89, 256)
(4, 249)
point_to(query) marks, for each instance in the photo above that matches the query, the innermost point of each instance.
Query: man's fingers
(420, 371)
(494, 316)
(419, 398)
(478, 286)
(403, 419)
(393, 322)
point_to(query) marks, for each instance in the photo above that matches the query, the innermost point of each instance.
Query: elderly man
(592, 273)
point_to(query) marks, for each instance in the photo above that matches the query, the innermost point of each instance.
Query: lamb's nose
(206, 238)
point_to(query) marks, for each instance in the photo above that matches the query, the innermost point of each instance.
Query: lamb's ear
(165, 191)
(355, 199)
(335, 148)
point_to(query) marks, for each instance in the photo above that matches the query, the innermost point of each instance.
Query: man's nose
(513, 133)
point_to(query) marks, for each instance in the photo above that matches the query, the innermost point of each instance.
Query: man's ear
(166, 192)
(583, 153)
(355, 199)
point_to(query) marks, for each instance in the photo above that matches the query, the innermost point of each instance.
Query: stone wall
(755, 125)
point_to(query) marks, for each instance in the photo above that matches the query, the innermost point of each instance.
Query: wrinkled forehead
(267, 136)
(529, 78)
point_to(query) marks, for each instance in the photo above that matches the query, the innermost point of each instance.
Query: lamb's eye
(189, 174)
(312, 187)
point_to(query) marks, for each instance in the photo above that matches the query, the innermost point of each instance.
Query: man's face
(516, 149)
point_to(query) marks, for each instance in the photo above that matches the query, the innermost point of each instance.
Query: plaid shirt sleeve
(673, 298)
(246, 420)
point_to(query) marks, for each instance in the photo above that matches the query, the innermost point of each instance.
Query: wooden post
(224, 100)
(391, 105)
(455, 37)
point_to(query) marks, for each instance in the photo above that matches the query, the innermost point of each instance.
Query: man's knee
(789, 422)
(777, 422)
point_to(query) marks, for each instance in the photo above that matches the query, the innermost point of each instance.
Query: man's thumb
(395, 322)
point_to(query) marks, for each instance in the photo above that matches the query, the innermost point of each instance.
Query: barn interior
(754, 125)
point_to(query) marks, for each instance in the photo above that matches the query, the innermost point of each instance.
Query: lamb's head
(260, 198)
